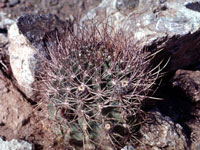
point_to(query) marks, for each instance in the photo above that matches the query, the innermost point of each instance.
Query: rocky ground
(174, 121)
(21, 118)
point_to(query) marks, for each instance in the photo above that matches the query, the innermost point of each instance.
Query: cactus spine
(95, 83)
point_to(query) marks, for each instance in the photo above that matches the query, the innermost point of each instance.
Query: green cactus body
(95, 86)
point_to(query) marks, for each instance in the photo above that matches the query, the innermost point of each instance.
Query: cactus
(95, 83)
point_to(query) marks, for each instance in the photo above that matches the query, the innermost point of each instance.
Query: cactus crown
(95, 83)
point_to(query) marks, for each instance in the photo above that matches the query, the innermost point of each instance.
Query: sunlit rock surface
(170, 25)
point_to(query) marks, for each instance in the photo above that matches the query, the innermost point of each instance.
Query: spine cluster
(95, 83)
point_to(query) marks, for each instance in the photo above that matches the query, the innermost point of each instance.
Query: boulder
(22, 60)
(13, 107)
(27, 42)
(161, 133)
(189, 83)
(168, 25)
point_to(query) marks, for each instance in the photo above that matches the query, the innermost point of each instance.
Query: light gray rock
(5, 22)
(15, 145)
(22, 60)
(170, 25)
(161, 133)
(27, 44)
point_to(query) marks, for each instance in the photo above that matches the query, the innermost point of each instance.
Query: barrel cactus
(94, 84)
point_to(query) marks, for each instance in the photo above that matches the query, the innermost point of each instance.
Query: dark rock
(35, 34)
(181, 110)
(189, 82)
(193, 6)
(194, 125)
(37, 28)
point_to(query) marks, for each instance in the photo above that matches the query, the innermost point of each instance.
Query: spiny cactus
(95, 83)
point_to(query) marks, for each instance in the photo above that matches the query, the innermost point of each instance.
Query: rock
(15, 145)
(5, 22)
(38, 28)
(161, 133)
(189, 82)
(194, 126)
(31, 32)
(13, 107)
(22, 60)
(19, 120)
(168, 25)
